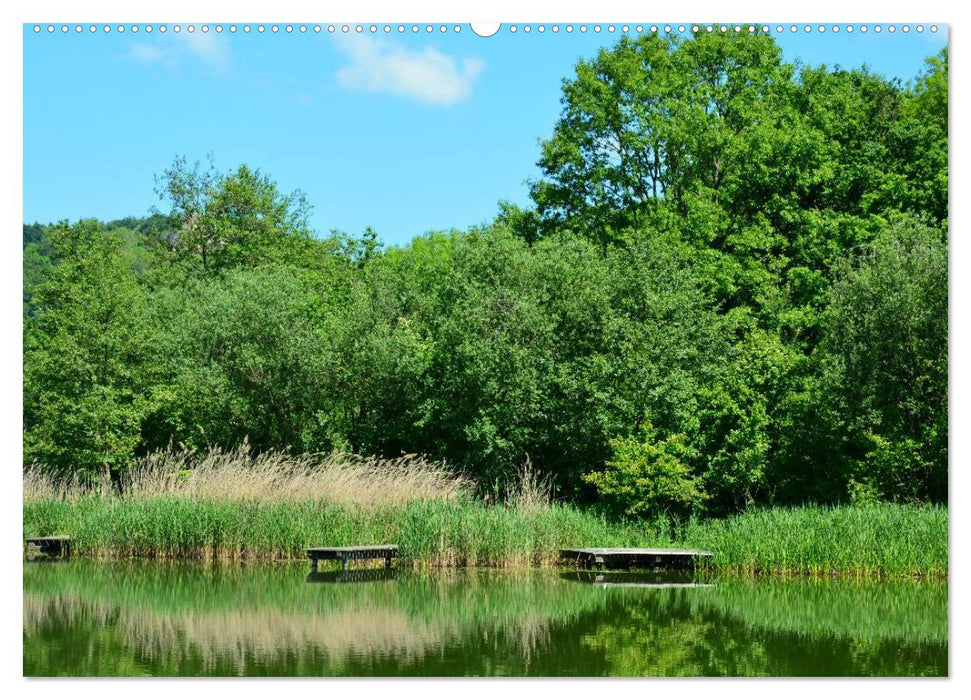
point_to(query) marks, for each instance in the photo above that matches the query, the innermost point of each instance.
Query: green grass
(880, 540)
(463, 533)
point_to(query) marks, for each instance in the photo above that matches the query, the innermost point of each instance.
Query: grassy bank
(276, 507)
(432, 532)
(880, 539)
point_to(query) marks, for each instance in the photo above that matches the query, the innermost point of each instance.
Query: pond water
(156, 619)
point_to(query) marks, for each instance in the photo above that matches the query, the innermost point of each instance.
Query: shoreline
(877, 541)
(427, 566)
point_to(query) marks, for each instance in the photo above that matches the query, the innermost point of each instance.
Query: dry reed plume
(529, 490)
(270, 476)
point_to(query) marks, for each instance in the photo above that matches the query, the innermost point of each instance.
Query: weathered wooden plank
(629, 557)
(50, 546)
(600, 551)
(338, 552)
(347, 554)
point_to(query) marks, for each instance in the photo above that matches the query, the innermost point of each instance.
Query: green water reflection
(86, 618)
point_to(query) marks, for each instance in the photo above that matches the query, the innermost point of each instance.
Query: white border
(601, 11)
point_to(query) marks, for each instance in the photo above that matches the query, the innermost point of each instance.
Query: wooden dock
(49, 547)
(653, 559)
(349, 554)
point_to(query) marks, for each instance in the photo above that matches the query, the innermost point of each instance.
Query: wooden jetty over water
(50, 547)
(632, 558)
(349, 554)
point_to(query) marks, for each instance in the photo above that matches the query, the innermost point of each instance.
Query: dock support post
(387, 560)
(344, 563)
(313, 565)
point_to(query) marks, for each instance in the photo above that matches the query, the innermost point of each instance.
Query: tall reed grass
(231, 505)
(882, 539)
(269, 477)
(428, 533)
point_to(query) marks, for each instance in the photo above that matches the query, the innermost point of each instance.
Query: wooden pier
(653, 559)
(348, 554)
(55, 546)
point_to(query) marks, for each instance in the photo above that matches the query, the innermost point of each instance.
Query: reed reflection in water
(144, 618)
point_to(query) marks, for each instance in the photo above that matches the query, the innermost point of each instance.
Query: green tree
(884, 362)
(246, 357)
(922, 140)
(482, 349)
(608, 156)
(88, 355)
(223, 221)
(648, 475)
(36, 264)
(664, 124)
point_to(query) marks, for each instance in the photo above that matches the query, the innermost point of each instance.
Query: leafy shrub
(647, 475)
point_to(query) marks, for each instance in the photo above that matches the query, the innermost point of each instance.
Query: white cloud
(378, 65)
(173, 50)
(211, 49)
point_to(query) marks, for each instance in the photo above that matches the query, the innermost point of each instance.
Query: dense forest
(730, 288)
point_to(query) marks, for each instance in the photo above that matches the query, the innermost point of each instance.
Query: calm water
(151, 619)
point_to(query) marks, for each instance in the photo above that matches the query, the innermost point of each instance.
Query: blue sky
(403, 132)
